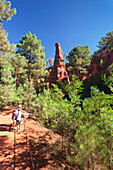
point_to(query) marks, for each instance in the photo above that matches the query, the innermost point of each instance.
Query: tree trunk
(29, 69)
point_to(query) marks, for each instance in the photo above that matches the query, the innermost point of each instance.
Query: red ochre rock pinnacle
(58, 71)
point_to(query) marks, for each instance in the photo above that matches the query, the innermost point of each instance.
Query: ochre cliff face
(58, 71)
(100, 63)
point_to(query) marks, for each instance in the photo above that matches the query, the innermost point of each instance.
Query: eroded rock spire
(58, 71)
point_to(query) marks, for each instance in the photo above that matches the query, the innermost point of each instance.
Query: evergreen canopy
(5, 10)
(79, 59)
(106, 42)
(32, 49)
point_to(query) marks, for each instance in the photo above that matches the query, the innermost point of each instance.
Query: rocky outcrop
(100, 63)
(58, 71)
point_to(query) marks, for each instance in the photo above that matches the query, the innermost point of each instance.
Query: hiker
(18, 114)
(13, 119)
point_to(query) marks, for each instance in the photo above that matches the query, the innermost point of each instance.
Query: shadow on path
(5, 151)
(11, 155)
(6, 127)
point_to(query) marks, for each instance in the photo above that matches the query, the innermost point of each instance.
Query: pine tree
(107, 112)
(32, 49)
(7, 86)
(30, 99)
(19, 98)
(5, 46)
(5, 10)
(106, 42)
(20, 68)
(5, 14)
(78, 59)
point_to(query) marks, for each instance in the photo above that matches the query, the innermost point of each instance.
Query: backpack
(17, 116)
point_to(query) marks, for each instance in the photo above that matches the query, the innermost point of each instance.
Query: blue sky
(68, 22)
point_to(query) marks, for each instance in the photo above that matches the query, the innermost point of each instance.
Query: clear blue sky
(68, 22)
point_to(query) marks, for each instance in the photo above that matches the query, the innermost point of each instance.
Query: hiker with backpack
(18, 116)
(13, 119)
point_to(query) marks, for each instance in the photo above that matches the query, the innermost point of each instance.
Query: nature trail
(16, 154)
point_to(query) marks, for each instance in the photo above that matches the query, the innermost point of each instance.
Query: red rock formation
(58, 71)
(100, 63)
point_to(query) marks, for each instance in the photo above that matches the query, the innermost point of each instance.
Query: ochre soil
(42, 142)
(42, 145)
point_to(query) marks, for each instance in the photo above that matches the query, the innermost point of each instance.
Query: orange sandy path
(41, 141)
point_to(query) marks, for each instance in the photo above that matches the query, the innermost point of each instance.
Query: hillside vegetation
(81, 113)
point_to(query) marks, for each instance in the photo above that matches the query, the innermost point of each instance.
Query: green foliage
(20, 68)
(86, 131)
(5, 10)
(29, 96)
(93, 133)
(52, 100)
(95, 80)
(78, 59)
(104, 109)
(106, 42)
(5, 46)
(32, 50)
(7, 81)
(5, 14)
(19, 98)
(109, 80)
(7, 86)
(74, 90)
(107, 112)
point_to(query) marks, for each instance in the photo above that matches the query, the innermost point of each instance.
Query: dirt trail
(42, 144)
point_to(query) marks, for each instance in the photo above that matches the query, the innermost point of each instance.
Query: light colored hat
(19, 106)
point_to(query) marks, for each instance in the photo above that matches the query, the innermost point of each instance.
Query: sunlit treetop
(5, 10)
